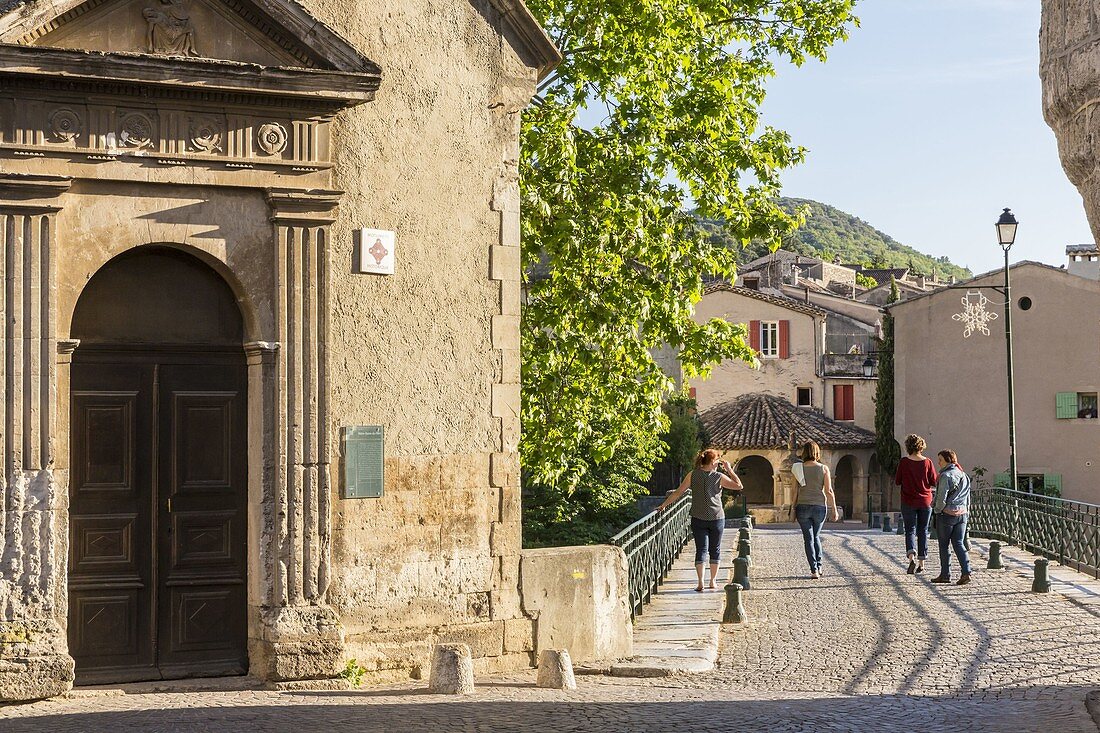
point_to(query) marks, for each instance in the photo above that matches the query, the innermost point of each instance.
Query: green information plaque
(364, 464)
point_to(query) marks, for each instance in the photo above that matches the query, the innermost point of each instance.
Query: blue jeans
(708, 539)
(810, 518)
(952, 529)
(916, 530)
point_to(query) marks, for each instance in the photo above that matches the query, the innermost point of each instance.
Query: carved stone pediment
(227, 85)
(271, 33)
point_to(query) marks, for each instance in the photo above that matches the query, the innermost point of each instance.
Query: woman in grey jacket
(951, 504)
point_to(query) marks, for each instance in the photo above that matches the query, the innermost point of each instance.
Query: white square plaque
(376, 251)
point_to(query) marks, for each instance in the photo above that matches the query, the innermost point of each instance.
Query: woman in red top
(917, 478)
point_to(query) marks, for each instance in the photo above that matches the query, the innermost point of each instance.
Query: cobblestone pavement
(866, 648)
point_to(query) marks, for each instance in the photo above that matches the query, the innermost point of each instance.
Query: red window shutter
(844, 402)
(754, 335)
(784, 339)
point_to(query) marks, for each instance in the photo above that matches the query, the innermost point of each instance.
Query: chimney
(1084, 261)
(795, 272)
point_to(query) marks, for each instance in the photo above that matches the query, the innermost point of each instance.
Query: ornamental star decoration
(975, 317)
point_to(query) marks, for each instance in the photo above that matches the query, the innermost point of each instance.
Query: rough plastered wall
(780, 377)
(431, 353)
(955, 395)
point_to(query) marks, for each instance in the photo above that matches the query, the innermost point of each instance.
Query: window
(752, 283)
(1071, 405)
(844, 402)
(1043, 484)
(769, 339)
(805, 397)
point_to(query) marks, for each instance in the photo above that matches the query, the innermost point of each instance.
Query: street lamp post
(1006, 236)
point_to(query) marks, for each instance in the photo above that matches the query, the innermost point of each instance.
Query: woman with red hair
(708, 516)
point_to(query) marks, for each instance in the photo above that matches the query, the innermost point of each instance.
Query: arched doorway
(759, 479)
(844, 478)
(158, 484)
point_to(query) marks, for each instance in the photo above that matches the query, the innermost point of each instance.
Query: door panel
(203, 475)
(111, 583)
(157, 516)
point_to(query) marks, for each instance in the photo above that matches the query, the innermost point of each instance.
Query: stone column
(34, 661)
(302, 637)
(860, 486)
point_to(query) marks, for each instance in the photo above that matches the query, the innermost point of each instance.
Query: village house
(259, 378)
(783, 269)
(951, 386)
(810, 384)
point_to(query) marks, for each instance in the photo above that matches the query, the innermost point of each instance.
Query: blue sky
(928, 122)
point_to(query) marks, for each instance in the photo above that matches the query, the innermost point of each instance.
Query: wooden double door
(158, 527)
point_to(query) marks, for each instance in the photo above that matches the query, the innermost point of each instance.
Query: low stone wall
(579, 599)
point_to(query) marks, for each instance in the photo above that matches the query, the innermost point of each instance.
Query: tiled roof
(883, 275)
(767, 421)
(780, 300)
(1075, 248)
(781, 255)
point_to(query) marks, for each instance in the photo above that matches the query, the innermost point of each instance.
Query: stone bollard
(886, 523)
(741, 573)
(746, 521)
(1041, 583)
(994, 556)
(744, 534)
(735, 610)
(901, 528)
(876, 520)
(556, 670)
(744, 550)
(452, 670)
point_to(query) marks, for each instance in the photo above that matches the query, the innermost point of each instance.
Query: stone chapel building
(225, 447)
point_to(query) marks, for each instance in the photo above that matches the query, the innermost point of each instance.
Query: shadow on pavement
(1060, 709)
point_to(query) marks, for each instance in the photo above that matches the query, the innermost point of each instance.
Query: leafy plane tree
(614, 265)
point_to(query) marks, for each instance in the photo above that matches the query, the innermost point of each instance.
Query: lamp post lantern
(1006, 236)
(869, 366)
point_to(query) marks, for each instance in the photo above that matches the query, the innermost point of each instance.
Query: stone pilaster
(302, 636)
(34, 661)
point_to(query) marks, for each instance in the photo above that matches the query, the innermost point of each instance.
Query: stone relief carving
(136, 131)
(206, 136)
(170, 29)
(271, 137)
(64, 125)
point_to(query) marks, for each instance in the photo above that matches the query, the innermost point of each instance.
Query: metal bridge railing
(1062, 530)
(651, 545)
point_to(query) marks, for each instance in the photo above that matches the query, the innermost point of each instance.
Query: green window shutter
(1052, 482)
(1002, 480)
(1067, 405)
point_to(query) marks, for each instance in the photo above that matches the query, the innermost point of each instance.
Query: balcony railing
(651, 545)
(845, 365)
(1063, 530)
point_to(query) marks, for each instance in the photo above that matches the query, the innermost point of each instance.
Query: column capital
(32, 194)
(293, 207)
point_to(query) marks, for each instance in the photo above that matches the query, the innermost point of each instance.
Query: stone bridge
(866, 648)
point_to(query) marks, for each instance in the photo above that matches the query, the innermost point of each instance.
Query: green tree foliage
(680, 83)
(684, 438)
(829, 232)
(865, 281)
(886, 447)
